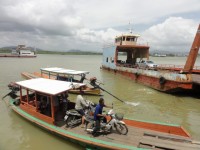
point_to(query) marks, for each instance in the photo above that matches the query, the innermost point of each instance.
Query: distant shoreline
(8, 51)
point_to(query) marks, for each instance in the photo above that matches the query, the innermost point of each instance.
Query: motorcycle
(115, 123)
(74, 118)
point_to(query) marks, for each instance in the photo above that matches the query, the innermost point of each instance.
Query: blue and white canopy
(63, 71)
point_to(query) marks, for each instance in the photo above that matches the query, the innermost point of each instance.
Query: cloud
(174, 34)
(87, 25)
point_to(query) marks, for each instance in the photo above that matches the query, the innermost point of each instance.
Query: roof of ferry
(128, 34)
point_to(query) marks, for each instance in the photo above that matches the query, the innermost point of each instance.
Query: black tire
(69, 121)
(136, 74)
(162, 80)
(122, 128)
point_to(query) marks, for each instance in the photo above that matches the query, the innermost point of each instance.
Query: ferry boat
(125, 54)
(21, 51)
(142, 134)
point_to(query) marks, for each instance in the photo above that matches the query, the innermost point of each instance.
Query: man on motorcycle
(80, 105)
(98, 115)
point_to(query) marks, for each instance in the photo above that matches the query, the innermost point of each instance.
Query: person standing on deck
(98, 115)
(80, 105)
(64, 102)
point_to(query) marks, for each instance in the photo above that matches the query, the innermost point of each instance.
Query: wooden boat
(64, 75)
(168, 79)
(141, 135)
(21, 51)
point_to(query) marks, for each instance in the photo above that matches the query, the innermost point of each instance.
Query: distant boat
(159, 55)
(125, 53)
(40, 100)
(21, 51)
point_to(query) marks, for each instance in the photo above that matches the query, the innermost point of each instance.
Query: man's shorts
(80, 111)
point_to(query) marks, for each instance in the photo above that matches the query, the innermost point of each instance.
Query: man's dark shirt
(98, 110)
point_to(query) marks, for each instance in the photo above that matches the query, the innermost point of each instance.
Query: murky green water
(18, 134)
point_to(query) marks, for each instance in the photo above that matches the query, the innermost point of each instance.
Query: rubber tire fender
(162, 80)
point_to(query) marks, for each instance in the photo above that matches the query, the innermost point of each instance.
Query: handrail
(176, 66)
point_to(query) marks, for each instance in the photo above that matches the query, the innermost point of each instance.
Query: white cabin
(126, 39)
(22, 50)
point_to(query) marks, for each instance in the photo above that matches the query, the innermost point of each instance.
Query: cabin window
(27, 96)
(107, 59)
(130, 39)
(111, 60)
(44, 104)
(118, 40)
(36, 101)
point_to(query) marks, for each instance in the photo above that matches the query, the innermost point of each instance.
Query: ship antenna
(130, 28)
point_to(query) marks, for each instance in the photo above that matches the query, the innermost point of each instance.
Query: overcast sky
(88, 24)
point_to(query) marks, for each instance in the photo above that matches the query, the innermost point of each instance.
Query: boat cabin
(64, 74)
(43, 98)
(126, 52)
(126, 39)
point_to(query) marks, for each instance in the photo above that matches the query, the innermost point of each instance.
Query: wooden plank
(129, 139)
(168, 136)
(168, 144)
(143, 138)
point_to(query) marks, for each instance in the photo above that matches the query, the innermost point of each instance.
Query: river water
(143, 103)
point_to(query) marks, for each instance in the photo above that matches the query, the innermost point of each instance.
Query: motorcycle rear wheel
(70, 120)
(122, 128)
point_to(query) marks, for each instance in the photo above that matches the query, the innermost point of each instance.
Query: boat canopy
(63, 71)
(47, 86)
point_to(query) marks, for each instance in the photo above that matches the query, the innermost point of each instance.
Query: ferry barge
(21, 51)
(170, 79)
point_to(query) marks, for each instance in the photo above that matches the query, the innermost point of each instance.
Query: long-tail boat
(166, 78)
(142, 135)
(64, 75)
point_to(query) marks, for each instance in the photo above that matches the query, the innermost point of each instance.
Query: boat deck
(196, 78)
(143, 138)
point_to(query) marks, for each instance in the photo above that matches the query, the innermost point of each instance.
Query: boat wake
(132, 103)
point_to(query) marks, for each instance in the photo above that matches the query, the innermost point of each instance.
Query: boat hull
(152, 79)
(87, 141)
(18, 56)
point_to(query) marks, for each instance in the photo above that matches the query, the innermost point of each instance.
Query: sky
(87, 25)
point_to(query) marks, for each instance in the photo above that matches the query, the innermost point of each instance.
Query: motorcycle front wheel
(89, 125)
(122, 128)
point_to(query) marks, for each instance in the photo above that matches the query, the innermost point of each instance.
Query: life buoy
(162, 80)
